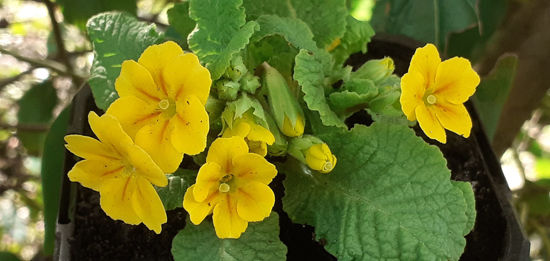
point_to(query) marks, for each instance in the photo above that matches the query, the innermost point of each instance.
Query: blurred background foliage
(45, 57)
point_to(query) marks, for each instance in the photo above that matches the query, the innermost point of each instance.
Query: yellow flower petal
(425, 61)
(88, 148)
(154, 139)
(135, 80)
(456, 81)
(92, 173)
(320, 158)
(116, 199)
(190, 126)
(109, 131)
(430, 124)
(133, 113)
(197, 210)
(254, 201)
(293, 131)
(227, 222)
(185, 76)
(156, 57)
(147, 205)
(412, 93)
(223, 150)
(254, 167)
(259, 133)
(454, 117)
(145, 167)
(207, 180)
(240, 128)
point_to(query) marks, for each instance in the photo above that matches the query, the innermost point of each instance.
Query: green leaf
(172, 195)
(260, 241)
(36, 109)
(221, 33)
(242, 105)
(295, 31)
(274, 50)
(469, 198)
(116, 37)
(388, 198)
(326, 18)
(78, 11)
(178, 17)
(356, 95)
(8, 256)
(310, 72)
(358, 34)
(424, 20)
(492, 92)
(53, 162)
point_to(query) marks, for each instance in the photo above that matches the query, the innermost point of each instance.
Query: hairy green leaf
(358, 34)
(388, 198)
(36, 109)
(424, 20)
(178, 17)
(260, 241)
(326, 18)
(53, 162)
(116, 37)
(295, 31)
(310, 71)
(221, 33)
(493, 92)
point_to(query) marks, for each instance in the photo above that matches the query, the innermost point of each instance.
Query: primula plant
(255, 89)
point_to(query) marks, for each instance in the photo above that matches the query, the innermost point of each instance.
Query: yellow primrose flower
(233, 185)
(121, 171)
(256, 136)
(320, 158)
(433, 92)
(161, 104)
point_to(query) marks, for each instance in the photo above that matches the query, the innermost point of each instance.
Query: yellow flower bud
(293, 131)
(319, 157)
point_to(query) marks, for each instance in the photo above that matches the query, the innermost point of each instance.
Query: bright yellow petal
(190, 126)
(259, 133)
(223, 150)
(430, 125)
(456, 81)
(156, 57)
(254, 167)
(185, 76)
(207, 180)
(135, 80)
(154, 139)
(197, 210)
(133, 113)
(116, 199)
(88, 148)
(147, 205)
(146, 167)
(454, 117)
(412, 93)
(240, 128)
(425, 61)
(109, 131)
(92, 173)
(254, 201)
(227, 222)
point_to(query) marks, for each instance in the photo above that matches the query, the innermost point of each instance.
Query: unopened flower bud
(237, 69)
(320, 158)
(227, 90)
(375, 70)
(249, 83)
(285, 108)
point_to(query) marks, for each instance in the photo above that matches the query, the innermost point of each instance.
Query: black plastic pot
(84, 232)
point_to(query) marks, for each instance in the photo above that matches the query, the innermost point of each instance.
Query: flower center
(224, 187)
(164, 104)
(327, 166)
(431, 99)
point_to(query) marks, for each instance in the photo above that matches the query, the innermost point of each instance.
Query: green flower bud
(285, 108)
(279, 147)
(249, 83)
(237, 69)
(375, 70)
(227, 90)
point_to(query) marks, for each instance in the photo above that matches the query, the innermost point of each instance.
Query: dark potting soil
(97, 237)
